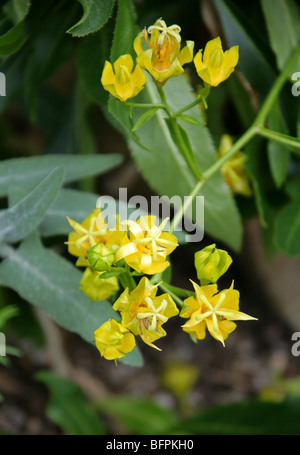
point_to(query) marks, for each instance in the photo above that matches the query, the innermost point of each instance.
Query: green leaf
(282, 15)
(13, 39)
(139, 415)
(30, 171)
(246, 418)
(287, 229)
(50, 282)
(125, 30)
(165, 170)
(16, 10)
(292, 187)
(278, 154)
(21, 219)
(144, 118)
(255, 58)
(190, 119)
(95, 14)
(68, 407)
(6, 313)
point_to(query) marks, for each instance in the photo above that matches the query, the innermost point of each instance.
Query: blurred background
(52, 381)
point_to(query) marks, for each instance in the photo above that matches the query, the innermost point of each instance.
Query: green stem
(253, 130)
(176, 299)
(145, 105)
(241, 142)
(271, 98)
(178, 291)
(279, 137)
(190, 160)
(187, 203)
(200, 98)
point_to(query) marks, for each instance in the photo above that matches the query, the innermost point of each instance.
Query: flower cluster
(159, 52)
(113, 258)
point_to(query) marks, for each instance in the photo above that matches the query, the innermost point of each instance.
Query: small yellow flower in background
(146, 246)
(233, 169)
(120, 80)
(97, 288)
(163, 58)
(211, 263)
(89, 233)
(113, 340)
(215, 65)
(143, 312)
(212, 311)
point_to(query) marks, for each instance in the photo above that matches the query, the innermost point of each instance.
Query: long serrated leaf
(50, 282)
(21, 219)
(125, 30)
(95, 14)
(31, 170)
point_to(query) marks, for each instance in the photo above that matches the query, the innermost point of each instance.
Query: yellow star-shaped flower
(213, 311)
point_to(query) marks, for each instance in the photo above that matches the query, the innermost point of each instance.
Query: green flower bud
(211, 263)
(101, 257)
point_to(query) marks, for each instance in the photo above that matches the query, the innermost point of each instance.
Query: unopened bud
(101, 257)
(211, 263)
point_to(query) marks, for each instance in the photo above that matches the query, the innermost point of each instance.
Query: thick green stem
(272, 96)
(186, 205)
(279, 137)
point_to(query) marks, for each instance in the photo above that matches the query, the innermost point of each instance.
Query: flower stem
(200, 98)
(279, 137)
(190, 159)
(145, 105)
(187, 203)
(175, 297)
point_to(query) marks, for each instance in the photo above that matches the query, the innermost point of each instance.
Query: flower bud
(211, 263)
(101, 257)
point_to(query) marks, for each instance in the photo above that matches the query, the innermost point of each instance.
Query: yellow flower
(97, 288)
(233, 169)
(113, 340)
(215, 66)
(145, 247)
(163, 58)
(212, 310)
(120, 80)
(89, 233)
(211, 263)
(143, 312)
